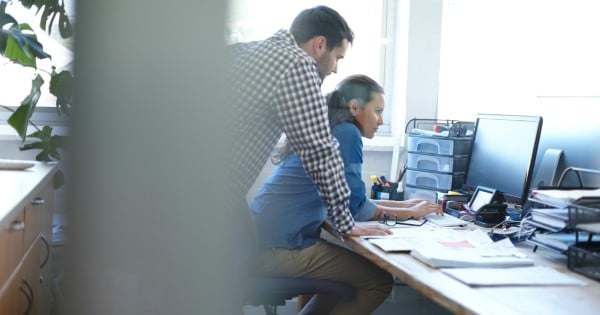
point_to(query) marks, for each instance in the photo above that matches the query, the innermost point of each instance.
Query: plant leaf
(23, 48)
(20, 118)
(64, 26)
(61, 86)
(48, 144)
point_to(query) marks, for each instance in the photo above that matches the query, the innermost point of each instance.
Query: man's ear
(319, 45)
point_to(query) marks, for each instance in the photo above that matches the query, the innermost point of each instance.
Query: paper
(535, 275)
(553, 217)
(470, 249)
(566, 197)
(392, 244)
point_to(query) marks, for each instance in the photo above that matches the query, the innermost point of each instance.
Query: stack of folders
(553, 218)
(566, 197)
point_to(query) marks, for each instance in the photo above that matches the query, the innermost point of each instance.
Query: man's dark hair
(321, 21)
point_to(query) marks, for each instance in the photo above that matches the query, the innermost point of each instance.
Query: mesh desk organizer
(575, 227)
(437, 156)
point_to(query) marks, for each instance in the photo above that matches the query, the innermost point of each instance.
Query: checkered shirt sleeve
(302, 109)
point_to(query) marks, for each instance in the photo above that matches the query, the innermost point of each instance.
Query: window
(371, 21)
(15, 79)
(514, 57)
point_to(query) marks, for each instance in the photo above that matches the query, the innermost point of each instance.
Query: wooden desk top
(460, 298)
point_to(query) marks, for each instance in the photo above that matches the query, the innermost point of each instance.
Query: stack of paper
(474, 249)
(555, 218)
(535, 275)
(565, 197)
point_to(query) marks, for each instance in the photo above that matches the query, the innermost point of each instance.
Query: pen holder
(383, 192)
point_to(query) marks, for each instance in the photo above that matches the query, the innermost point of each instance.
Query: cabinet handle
(28, 295)
(38, 201)
(17, 225)
(47, 252)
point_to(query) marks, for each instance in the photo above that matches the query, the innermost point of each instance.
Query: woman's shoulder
(345, 127)
(345, 130)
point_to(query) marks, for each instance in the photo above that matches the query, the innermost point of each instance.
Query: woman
(355, 109)
(289, 213)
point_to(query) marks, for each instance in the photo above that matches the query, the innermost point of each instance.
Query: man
(276, 86)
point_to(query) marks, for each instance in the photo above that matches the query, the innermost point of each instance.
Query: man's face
(327, 62)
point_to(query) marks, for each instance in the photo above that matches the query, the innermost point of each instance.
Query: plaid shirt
(276, 88)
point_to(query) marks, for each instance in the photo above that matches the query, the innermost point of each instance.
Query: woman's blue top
(288, 211)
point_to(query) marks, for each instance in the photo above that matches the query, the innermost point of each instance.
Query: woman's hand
(369, 230)
(425, 207)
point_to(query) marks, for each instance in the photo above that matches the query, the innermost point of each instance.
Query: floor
(403, 299)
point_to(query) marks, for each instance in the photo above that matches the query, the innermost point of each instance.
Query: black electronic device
(503, 154)
(490, 215)
(488, 206)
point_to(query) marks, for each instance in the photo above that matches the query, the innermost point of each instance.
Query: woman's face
(369, 116)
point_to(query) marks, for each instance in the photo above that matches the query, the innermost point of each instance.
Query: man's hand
(369, 230)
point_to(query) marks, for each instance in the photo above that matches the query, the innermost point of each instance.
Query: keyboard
(444, 220)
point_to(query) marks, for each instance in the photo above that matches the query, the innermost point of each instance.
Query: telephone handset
(490, 215)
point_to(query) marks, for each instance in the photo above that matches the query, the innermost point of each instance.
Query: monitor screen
(503, 154)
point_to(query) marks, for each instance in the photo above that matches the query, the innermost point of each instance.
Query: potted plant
(19, 44)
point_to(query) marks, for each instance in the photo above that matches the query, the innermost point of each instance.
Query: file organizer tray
(584, 258)
(440, 127)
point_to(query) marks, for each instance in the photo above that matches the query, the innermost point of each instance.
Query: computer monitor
(503, 154)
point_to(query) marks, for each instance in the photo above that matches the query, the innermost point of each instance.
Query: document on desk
(405, 238)
(518, 276)
(470, 249)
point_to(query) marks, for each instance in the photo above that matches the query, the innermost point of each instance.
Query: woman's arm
(406, 209)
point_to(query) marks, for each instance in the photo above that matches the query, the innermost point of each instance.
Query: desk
(26, 209)
(460, 298)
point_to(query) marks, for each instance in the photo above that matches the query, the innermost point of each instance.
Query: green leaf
(27, 3)
(23, 48)
(18, 52)
(20, 118)
(64, 26)
(61, 86)
(48, 144)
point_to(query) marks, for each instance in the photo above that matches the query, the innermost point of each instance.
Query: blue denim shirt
(288, 211)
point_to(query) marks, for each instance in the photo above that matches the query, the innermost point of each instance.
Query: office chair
(271, 292)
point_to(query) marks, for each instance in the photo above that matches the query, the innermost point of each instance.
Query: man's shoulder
(280, 47)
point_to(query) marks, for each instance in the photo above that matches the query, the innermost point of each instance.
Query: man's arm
(302, 110)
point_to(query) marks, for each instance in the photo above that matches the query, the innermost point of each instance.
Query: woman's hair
(356, 87)
(321, 21)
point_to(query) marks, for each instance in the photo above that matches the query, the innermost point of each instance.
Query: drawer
(11, 244)
(420, 193)
(441, 146)
(431, 180)
(38, 216)
(437, 163)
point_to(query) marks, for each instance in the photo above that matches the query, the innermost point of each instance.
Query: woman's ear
(352, 107)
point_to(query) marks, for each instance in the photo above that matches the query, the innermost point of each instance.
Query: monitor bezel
(510, 197)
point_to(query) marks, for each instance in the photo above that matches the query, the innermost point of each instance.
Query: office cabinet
(435, 164)
(25, 240)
